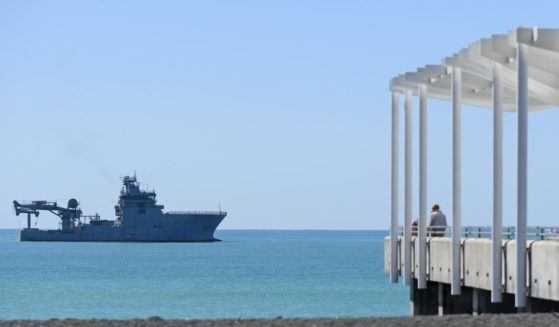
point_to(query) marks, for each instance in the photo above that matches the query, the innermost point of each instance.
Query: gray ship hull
(153, 228)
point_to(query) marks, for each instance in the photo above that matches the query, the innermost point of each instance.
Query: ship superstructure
(138, 219)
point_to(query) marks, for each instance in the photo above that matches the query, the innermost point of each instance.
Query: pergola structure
(517, 72)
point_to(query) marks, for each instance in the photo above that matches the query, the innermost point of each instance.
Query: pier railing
(508, 232)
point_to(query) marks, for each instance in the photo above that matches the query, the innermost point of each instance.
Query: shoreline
(527, 320)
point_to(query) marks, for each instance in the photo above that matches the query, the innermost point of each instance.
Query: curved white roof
(477, 61)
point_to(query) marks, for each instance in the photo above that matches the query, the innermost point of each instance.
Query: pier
(497, 269)
(476, 273)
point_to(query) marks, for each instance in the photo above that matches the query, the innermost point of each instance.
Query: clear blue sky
(278, 110)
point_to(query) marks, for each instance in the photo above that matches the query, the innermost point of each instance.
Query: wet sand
(527, 320)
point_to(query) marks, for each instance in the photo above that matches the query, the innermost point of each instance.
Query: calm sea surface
(250, 274)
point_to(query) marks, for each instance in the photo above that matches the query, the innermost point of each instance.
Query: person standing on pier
(414, 225)
(437, 224)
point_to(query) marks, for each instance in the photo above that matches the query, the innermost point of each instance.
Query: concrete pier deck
(476, 279)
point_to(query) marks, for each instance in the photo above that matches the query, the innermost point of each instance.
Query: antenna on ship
(219, 205)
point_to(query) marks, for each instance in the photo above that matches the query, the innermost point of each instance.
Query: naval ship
(138, 219)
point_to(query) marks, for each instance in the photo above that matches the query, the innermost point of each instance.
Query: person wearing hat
(437, 224)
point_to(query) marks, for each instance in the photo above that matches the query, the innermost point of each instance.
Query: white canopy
(477, 61)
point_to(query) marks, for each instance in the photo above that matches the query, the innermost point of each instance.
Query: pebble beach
(526, 320)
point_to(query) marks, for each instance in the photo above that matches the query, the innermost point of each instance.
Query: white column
(408, 188)
(422, 223)
(496, 294)
(395, 190)
(456, 179)
(522, 176)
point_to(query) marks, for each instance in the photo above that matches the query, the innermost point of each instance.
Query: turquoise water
(249, 274)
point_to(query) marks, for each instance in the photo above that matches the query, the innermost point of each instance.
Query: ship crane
(67, 215)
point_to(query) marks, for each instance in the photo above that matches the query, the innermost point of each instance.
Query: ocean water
(251, 274)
